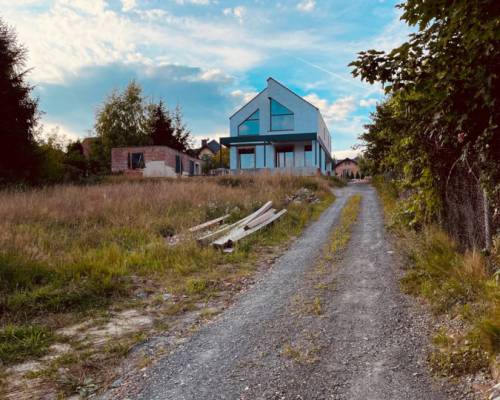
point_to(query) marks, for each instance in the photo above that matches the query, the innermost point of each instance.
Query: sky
(208, 56)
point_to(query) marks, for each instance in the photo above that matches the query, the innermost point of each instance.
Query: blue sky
(209, 56)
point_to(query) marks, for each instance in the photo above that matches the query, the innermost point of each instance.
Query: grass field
(67, 251)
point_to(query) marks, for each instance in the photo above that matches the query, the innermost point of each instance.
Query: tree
(210, 163)
(181, 133)
(121, 121)
(160, 127)
(18, 113)
(443, 103)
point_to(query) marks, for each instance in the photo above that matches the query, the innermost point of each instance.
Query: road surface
(347, 333)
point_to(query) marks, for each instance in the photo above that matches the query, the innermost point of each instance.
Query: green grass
(76, 250)
(18, 343)
(460, 285)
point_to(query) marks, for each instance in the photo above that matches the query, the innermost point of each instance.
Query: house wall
(205, 152)
(305, 114)
(159, 160)
(350, 166)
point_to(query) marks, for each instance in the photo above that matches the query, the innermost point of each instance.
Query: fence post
(487, 222)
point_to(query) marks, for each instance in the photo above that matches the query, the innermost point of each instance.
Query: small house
(153, 161)
(347, 169)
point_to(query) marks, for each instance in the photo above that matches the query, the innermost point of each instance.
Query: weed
(18, 342)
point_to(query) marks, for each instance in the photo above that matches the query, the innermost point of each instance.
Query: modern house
(347, 168)
(153, 161)
(279, 130)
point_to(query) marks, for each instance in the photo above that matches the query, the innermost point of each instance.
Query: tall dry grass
(71, 248)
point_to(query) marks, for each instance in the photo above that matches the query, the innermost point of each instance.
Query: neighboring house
(279, 130)
(347, 168)
(153, 161)
(208, 148)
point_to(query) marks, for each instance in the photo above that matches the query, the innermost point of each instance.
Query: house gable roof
(345, 160)
(263, 90)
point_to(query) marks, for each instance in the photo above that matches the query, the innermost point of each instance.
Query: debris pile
(227, 234)
(302, 195)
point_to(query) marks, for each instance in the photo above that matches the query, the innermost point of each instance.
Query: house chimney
(204, 142)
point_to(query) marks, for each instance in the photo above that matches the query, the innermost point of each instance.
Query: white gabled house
(278, 129)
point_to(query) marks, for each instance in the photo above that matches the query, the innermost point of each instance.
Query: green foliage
(24, 341)
(210, 163)
(125, 119)
(122, 121)
(443, 87)
(19, 114)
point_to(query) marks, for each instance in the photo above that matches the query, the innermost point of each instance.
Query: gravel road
(365, 342)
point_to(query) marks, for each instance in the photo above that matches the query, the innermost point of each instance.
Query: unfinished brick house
(153, 161)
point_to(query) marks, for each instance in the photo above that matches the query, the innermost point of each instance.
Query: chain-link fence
(464, 215)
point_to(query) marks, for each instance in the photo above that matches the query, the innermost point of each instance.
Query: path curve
(364, 345)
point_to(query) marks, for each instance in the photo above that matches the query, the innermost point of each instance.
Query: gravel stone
(368, 342)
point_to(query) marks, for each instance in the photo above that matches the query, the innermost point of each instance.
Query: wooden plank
(213, 235)
(253, 223)
(239, 233)
(208, 224)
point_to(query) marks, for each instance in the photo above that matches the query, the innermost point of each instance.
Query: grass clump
(342, 233)
(18, 342)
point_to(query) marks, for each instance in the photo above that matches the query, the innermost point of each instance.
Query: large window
(284, 157)
(308, 156)
(246, 158)
(250, 126)
(136, 160)
(281, 117)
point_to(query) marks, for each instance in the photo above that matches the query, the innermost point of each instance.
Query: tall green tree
(443, 103)
(160, 126)
(19, 114)
(121, 121)
(182, 133)
(447, 79)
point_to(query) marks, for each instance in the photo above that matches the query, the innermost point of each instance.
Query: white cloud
(197, 2)
(238, 12)
(93, 7)
(335, 111)
(368, 102)
(63, 133)
(242, 97)
(348, 153)
(306, 5)
(215, 75)
(128, 5)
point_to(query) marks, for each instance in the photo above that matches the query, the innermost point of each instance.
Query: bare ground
(309, 328)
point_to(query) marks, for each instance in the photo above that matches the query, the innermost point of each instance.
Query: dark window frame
(247, 150)
(284, 149)
(280, 114)
(308, 149)
(132, 164)
(251, 119)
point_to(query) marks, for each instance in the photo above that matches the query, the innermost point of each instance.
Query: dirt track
(366, 342)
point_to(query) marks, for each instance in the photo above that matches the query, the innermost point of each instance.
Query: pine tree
(181, 133)
(18, 113)
(160, 126)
